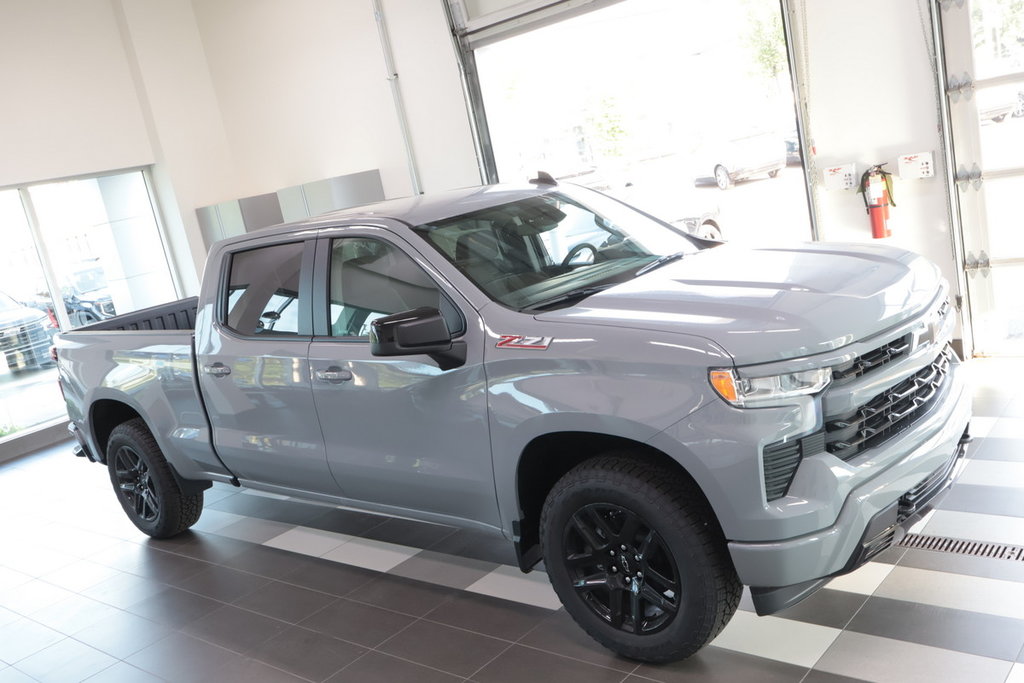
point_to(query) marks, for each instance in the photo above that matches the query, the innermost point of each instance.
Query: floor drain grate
(961, 547)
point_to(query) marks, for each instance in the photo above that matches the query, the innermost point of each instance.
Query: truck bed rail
(176, 315)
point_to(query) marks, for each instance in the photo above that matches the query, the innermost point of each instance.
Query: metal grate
(961, 547)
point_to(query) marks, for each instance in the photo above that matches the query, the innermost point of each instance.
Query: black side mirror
(421, 330)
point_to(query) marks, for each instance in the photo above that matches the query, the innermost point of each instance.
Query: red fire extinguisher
(876, 186)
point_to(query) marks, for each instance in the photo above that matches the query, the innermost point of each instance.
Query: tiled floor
(271, 589)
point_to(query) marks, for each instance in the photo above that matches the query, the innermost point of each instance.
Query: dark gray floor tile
(971, 632)
(235, 629)
(9, 674)
(74, 613)
(327, 577)
(122, 635)
(402, 595)
(122, 672)
(345, 521)
(23, 638)
(409, 533)
(997, 448)
(478, 545)
(376, 667)
(826, 608)
(174, 607)
(164, 566)
(80, 575)
(253, 671)
(964, 564)
(990, 500)
(269, 562)
(32, 596)
(201, 546)
(357, 623)
(309, 654)
(222, 583)
(715, 664)
(559, 634)
(826, 677)
(179, 657)
(124, 590)
(444, 570)
(285, 511)
(36, 560)
(489, 616)
(68, 660)
(440, 647)
(285, 601)
(521, 664)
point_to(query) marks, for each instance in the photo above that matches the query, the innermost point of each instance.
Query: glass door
(983, 42)
(29, 395)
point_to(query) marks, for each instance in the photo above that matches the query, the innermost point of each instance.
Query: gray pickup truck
(659, 418)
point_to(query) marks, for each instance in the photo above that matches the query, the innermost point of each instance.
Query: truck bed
(176, 315)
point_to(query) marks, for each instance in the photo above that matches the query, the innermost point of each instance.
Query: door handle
(333, 375)
(217, 370)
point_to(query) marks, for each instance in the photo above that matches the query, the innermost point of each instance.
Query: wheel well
(106, 415)
(546, 459)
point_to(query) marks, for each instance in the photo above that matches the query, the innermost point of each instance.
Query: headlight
(754, 392)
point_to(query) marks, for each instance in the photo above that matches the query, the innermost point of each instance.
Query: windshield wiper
(571, 295)
(660, 261)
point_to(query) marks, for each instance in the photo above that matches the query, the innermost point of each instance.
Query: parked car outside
(740, 157)
(25, 335)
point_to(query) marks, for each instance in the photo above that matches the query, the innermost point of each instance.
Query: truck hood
(764, 305)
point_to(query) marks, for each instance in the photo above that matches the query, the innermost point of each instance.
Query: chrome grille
(888, 413)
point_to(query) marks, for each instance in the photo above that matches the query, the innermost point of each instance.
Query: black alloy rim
(135, 484)
(621, 568)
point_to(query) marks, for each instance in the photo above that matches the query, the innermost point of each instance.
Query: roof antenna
(543, 178)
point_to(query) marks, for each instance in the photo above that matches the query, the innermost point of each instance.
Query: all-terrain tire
(145, 485)
(638, 559)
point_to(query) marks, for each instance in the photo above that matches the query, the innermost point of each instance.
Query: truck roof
(415, 210)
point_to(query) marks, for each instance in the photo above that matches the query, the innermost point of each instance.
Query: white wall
(227, 98)
(68, 102)
(232, 98)
(872, 97)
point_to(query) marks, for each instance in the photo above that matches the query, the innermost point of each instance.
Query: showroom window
(684, 109)
(75, 252)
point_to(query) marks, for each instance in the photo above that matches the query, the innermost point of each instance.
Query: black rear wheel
(637, 558)
(145, 485)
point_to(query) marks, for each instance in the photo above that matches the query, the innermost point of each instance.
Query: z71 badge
(518, 341)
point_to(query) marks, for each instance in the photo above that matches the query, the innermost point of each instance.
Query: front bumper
(780, 573)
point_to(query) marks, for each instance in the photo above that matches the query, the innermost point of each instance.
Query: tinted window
(371, 279)
(263, 290)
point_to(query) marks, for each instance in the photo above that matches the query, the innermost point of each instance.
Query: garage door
(684, 109)
(984, 58)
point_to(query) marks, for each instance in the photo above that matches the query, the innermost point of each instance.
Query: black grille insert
(872, 360)
(888, 413)
(781, 460)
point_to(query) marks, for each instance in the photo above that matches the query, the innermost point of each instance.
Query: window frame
(305, 318)
(321, 300)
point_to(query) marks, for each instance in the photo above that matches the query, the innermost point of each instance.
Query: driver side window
(371, 279)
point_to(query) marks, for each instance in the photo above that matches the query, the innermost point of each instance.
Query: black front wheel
(145, 485)
(637, 558)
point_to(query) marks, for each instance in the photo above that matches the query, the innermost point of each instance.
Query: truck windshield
(553, 249)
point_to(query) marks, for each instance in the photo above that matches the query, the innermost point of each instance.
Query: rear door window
(263, 293)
